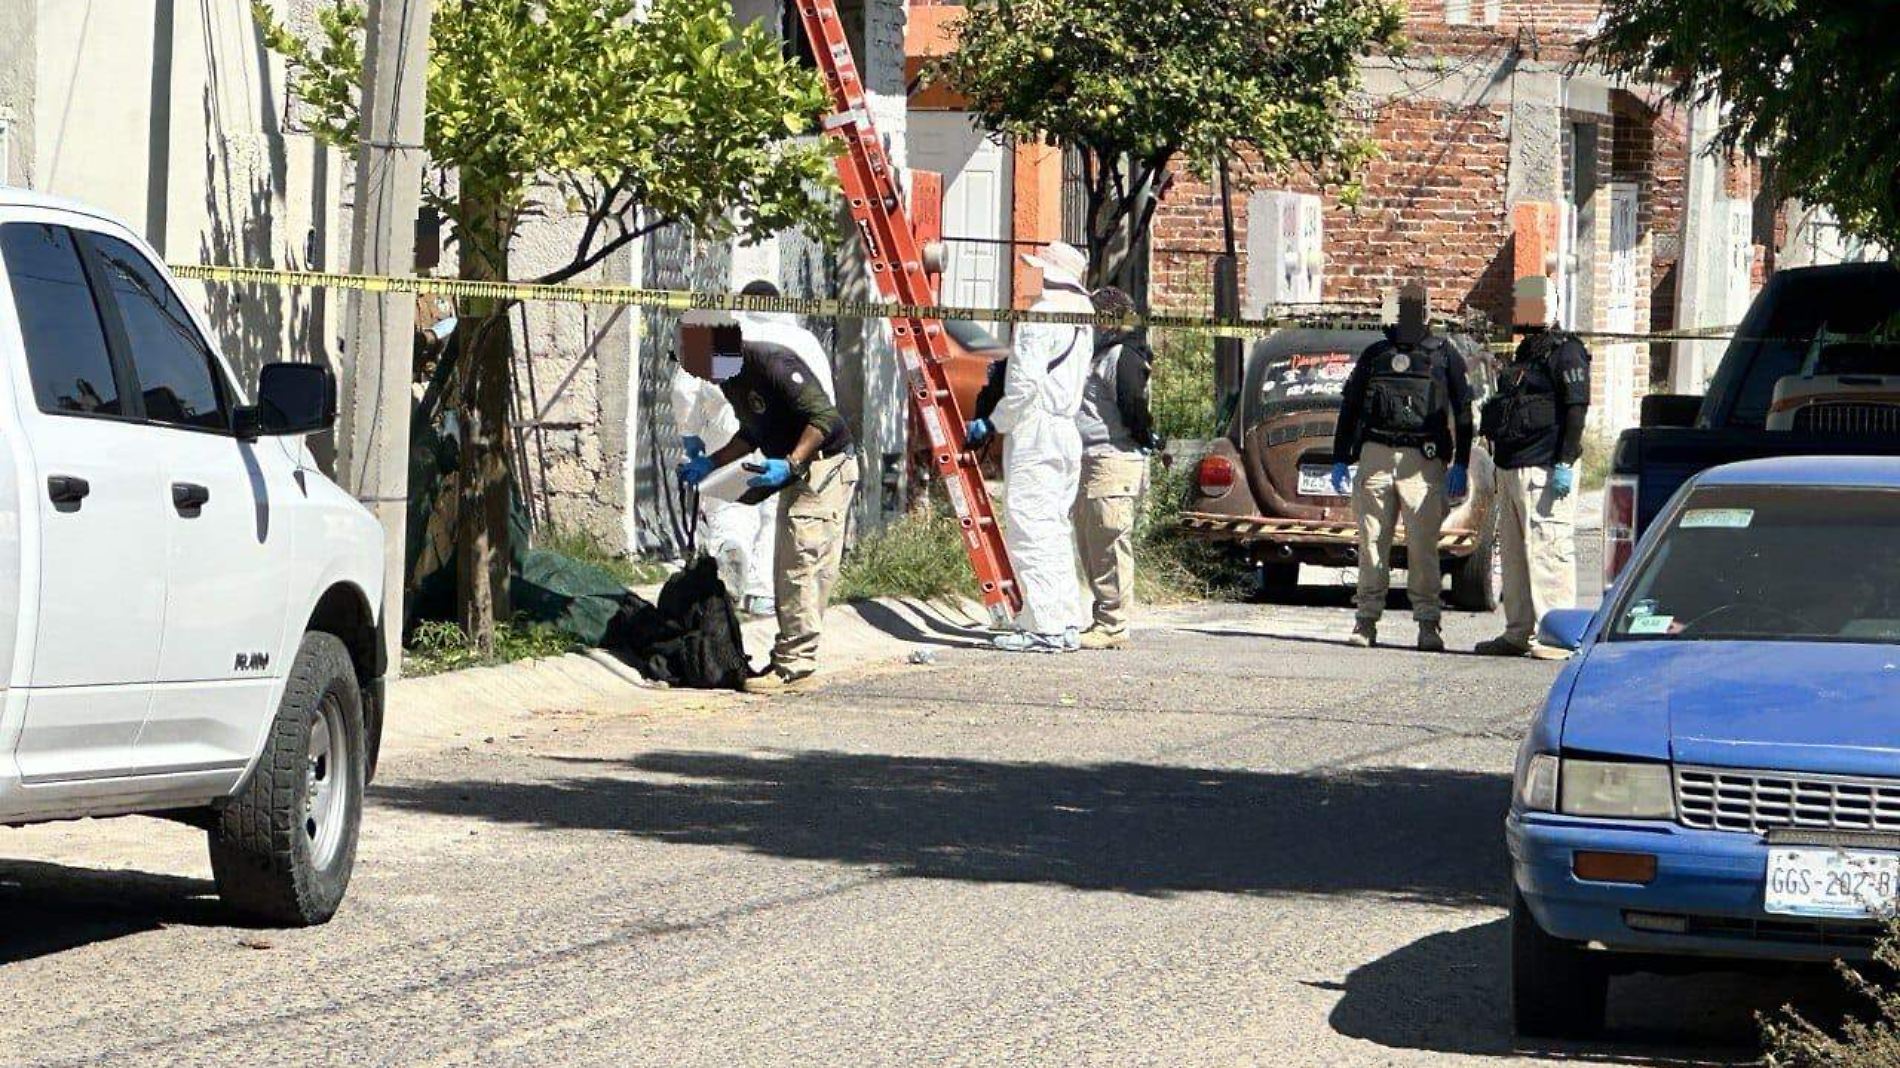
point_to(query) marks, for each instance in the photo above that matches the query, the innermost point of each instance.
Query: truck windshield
(1771, 563)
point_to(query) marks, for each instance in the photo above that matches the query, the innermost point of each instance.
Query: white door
(101, 592)
(976, 204)
(226, 558)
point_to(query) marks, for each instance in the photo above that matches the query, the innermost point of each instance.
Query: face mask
(724, 367)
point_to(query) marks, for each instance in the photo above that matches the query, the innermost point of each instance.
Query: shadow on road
(936, 628)
(1449, 993)
(51, 908)
(1411, 834)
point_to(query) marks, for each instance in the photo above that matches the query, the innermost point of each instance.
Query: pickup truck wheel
(284, 845)
(1558, 989)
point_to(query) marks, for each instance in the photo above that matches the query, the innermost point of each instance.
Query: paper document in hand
(729, 482)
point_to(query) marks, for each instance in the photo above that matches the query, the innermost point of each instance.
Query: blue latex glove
(1562, 480)
(772, 474)
(695, 470)
(977, 431)
(694, 445)
(1342, 477)
(1457, 480)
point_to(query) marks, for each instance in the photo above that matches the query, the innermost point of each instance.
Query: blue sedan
(1716, 773)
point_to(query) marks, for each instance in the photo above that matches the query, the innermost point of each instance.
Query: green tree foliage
(671, 116)
(632, 116)
(1811, 83)
(1136, 87)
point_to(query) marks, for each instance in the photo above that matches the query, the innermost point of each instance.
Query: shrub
(436, 646)
(1181, 391)
(1871, 1041)
(919, 555)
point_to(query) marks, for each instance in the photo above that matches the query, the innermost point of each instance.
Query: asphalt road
(1239, 842)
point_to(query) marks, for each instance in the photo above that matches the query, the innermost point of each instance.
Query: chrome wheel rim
(326, 790)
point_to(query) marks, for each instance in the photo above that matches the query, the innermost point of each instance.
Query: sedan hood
(1795, 706)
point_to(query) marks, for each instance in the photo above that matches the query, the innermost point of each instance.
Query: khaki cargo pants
(1390, 483)
(1106, 504)
(1537, 540)
(810, 545)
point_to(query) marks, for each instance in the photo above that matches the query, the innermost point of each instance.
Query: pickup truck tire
(284, 844)
(1474, 586)
(1558, 989)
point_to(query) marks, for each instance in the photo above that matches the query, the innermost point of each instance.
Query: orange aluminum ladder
(896, 260)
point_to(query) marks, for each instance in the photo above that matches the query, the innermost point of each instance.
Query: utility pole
(373, 440)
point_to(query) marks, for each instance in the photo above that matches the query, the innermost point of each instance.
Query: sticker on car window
(1654, 624)
(1717, 518)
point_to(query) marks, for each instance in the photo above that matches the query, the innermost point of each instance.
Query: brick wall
(1433, 207)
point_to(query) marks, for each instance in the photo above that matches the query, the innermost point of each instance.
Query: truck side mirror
(292, 398)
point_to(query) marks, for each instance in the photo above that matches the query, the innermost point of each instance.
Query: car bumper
(1708, 883)
(1305, 532)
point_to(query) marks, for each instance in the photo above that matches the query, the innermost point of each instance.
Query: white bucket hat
(1059, 261)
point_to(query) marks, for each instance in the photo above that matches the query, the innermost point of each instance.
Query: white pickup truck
(188, 607)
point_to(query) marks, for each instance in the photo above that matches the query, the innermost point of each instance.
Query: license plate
(1836, 883)
(1316, 480)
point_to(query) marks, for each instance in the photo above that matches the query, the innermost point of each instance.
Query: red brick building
(1488, 109)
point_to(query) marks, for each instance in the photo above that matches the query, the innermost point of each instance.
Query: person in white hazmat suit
(741, 536)
(1042, 456)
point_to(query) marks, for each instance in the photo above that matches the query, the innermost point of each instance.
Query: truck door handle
(189, 497)
(67, 489)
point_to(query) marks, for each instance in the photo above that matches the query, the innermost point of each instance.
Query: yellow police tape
(824, 307)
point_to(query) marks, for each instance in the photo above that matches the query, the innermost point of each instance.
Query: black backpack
(691, 638)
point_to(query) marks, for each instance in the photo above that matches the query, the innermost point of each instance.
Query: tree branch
(582, 263)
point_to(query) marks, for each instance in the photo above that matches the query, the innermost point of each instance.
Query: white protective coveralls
(1042, 458)
(741, 536)
(729, 531)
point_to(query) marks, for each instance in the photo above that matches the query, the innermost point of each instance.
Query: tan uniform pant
(1537, 538)
(810, 545)
(1106, 505)
(1390, 483)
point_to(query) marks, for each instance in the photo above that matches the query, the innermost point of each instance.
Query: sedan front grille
(1856, 419)
(1726, 799)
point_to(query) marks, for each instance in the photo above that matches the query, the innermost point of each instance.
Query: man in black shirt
(1405, 419)
(784, 414)
(1535, 429)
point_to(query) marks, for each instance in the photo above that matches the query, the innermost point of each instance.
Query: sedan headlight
(1603, 788)
(1537, 783)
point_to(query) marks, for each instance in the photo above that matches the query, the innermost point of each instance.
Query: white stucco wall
(171, 115)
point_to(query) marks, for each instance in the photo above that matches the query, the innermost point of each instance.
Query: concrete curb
(459, 706)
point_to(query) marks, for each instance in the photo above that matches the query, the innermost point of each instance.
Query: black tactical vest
(1525, 408)
(1405, 394)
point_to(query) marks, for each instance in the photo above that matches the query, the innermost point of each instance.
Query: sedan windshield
(1771, 563)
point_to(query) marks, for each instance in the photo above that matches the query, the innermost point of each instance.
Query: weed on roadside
(919, 555)
(1868, 1040)
(436, 646)
(1172, 565)
(1594, 465)
(582, 545)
